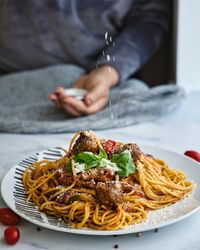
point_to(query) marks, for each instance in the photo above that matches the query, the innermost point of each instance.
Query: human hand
(98, 83)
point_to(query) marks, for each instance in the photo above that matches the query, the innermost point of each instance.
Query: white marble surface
(177, 131)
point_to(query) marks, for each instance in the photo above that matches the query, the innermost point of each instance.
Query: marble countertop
(178, 131)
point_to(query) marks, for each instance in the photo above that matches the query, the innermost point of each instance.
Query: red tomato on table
(11, 235)
(8, 217)
(193, 154)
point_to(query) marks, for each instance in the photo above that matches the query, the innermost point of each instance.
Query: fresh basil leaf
(125, 164)
(86, 157)
(103, 163)
(92, 165)
(69, 167)
(103, 154)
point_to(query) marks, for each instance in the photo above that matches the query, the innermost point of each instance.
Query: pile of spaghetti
(103, 184)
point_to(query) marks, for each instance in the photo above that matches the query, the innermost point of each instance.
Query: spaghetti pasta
(103, 185)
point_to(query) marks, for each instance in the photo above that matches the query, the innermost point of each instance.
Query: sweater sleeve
(143, 28)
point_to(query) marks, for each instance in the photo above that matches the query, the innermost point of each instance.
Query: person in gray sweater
(111, 39)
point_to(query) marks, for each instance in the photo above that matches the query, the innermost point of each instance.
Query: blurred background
(178, 58)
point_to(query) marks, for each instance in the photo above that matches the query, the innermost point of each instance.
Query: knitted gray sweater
(25, 108)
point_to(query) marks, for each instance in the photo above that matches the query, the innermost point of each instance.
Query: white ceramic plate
(14, 195)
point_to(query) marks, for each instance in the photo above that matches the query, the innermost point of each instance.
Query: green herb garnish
(125, 164)
(103, 154)
(121, 163)
(69, 167)
(88, 158)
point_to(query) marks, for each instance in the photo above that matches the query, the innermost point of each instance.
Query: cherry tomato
(110, 146)
(193, 154)
(11, 235)
(8, 217)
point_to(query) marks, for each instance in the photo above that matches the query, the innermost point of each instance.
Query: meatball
(89, 179)
(134, 150)
(109, 193)
(85, 142)
(64, 177)
(112, 148)
(129, 187)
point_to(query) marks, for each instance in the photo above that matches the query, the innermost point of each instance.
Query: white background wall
(188, 44)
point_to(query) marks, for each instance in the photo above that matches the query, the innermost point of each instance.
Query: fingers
(97, 93)
(80, 108)
(93, 102)
(52, 97)
(59, 91)
(68, 109)
(97, 106)
(55, 96)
